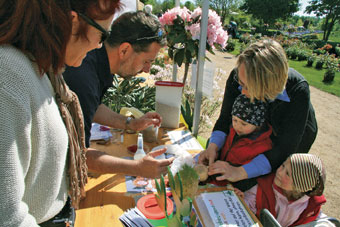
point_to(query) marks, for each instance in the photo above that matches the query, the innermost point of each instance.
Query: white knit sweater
(33, 144)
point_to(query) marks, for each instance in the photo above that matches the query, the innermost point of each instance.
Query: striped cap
(307, 170)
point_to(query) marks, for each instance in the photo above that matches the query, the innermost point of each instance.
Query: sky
(303, 4)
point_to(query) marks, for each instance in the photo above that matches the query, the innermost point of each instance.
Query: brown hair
(42, 28)
(140, 29)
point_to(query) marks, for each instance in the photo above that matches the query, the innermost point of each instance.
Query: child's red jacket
(245, 149)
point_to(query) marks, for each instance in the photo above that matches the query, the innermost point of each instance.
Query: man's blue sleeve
(258, 166)
(218, 137)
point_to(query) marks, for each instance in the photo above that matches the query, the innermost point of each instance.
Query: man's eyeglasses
(159, 36)
(91, 22)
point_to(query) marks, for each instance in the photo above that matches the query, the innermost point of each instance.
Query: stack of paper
(134, 218)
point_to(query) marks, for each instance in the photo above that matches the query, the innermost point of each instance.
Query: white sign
(208, 77)
(226, 209)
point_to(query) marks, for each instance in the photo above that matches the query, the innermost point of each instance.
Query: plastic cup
(150, 134)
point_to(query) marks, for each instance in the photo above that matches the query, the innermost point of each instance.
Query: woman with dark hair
(41, 120)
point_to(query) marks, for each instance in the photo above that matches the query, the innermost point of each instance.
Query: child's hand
(208, 156)
(227, 171)
(239, 193)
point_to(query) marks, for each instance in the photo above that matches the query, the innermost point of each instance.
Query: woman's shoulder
(15, 65)
(295, 77)
(19, 76)
(9, 52)
(295, 80)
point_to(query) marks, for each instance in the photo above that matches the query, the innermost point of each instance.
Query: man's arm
(106, 116)
(100, 162)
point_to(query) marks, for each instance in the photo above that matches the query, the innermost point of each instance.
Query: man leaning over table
(134, 41)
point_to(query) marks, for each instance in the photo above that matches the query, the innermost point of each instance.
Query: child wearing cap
(248, 136)
(294, 194)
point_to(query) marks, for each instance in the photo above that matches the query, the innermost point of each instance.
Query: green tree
(222, 7)
(189, 5)
(268, 11)
(328, 8)
(167, 5)
(156, 6)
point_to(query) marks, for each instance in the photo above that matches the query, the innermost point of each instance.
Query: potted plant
(332, 68)
(310, 59)
(320, 60)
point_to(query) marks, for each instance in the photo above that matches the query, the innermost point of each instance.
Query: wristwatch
(127, 122)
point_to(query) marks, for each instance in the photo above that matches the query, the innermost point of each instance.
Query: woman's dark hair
(42, 28)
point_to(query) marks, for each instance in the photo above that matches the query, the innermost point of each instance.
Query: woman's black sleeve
(230, 94)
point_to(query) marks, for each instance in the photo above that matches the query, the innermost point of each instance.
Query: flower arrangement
(182, 29)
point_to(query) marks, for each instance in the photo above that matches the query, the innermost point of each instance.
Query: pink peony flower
(170, 15)
(194, 30)
(215, 33)
(197, 13)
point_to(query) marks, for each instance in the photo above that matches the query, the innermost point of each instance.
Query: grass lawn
(315, 76)
(334, 36)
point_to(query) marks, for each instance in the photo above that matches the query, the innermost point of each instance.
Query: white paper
(97, 134)
(208, 77)
(184, 139)
(226, 209)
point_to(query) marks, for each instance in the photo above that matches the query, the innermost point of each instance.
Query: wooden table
(106, 198)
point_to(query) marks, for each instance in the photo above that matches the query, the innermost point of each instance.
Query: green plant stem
(186, 69)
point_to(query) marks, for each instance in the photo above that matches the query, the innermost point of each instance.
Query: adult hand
(150, 118)
(227, 171)
(208, 156)
(153, 168)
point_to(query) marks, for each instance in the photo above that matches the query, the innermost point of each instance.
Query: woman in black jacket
(262, 73)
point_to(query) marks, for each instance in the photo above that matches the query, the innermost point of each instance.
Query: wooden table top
(106, 197)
